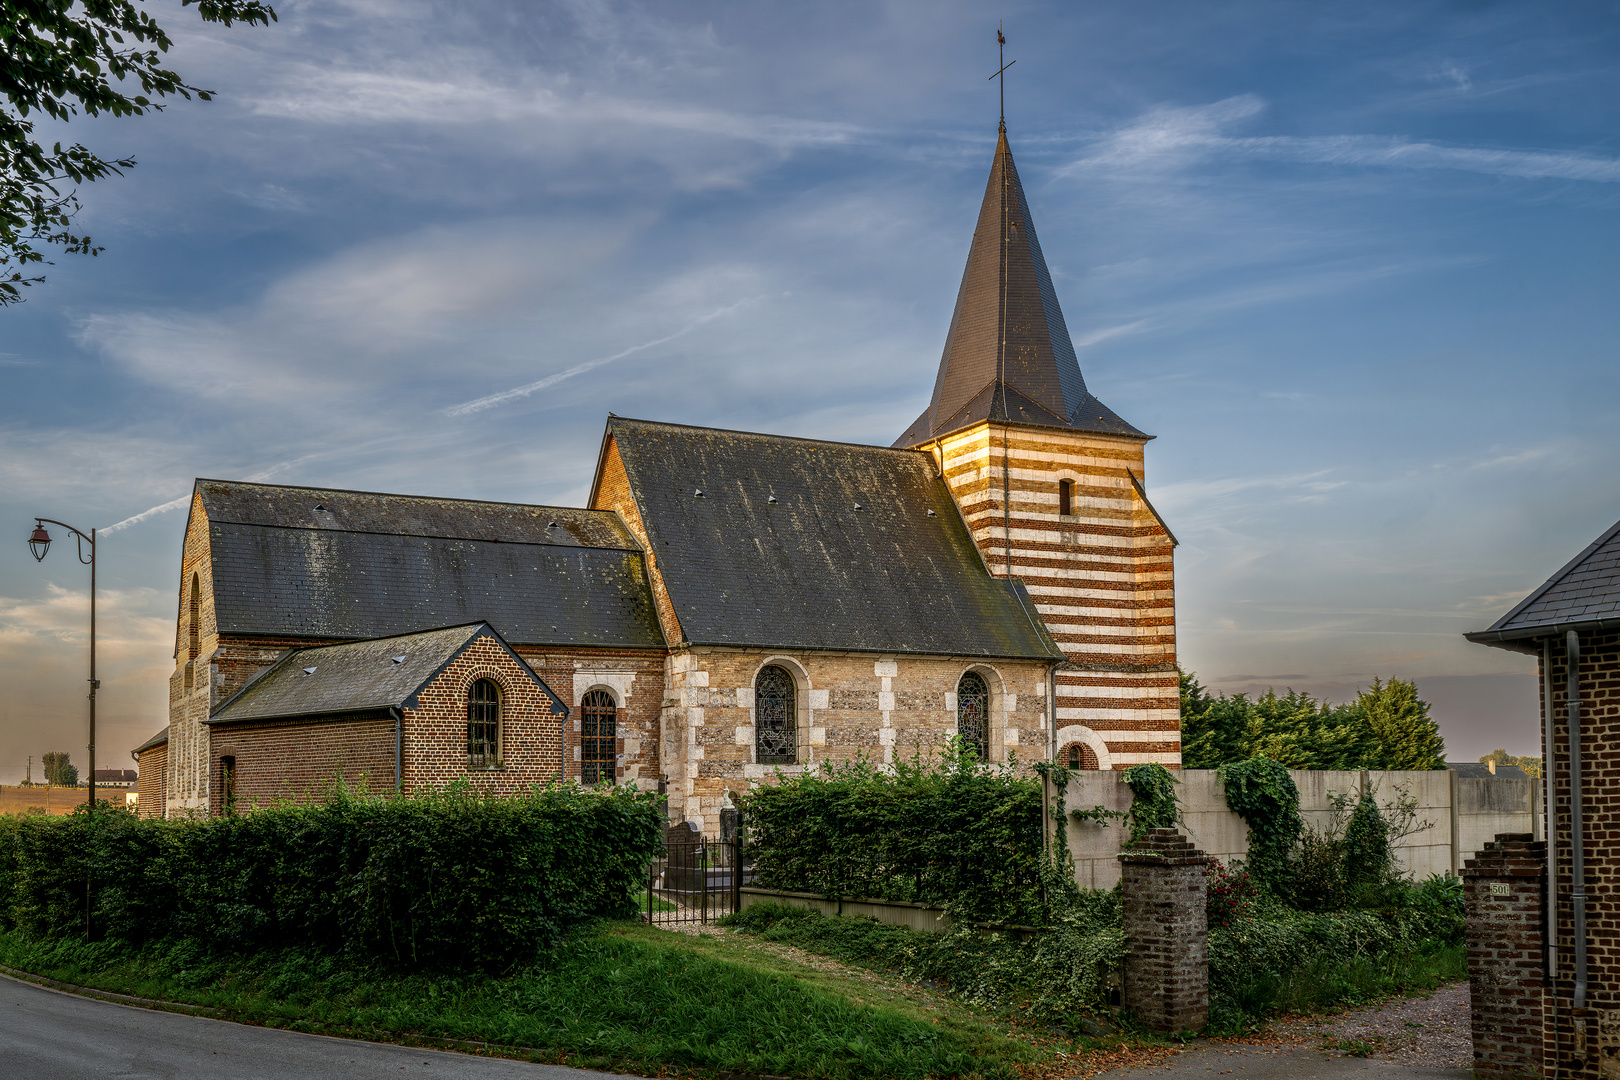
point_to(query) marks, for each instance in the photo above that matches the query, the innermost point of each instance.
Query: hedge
(445, 881)
(956, 833)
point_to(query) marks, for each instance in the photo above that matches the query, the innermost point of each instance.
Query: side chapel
(730, 603)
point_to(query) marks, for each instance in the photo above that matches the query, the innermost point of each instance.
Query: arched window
(776, 728)
(599, 727)
(1065, 497)
(193, 617)
(1081, 756)
(484, 723)
(973, 714)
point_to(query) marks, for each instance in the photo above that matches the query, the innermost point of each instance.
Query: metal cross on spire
(1001, 56)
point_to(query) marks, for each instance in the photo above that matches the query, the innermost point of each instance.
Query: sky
(1353, 265)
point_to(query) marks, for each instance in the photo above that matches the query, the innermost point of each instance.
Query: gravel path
(1431, 1031)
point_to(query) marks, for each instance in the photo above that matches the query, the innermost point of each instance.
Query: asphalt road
(48, 1033)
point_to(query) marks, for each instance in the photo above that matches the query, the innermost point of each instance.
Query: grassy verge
(623, 997)
(1328, 983)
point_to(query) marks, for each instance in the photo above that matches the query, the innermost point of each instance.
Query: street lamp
(39, 544)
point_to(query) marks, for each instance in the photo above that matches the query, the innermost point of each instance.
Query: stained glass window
(776, 733)
(599, 728)
(483, 723)
(973, 714)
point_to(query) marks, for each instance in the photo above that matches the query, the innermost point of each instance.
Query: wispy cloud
(466, 408)
(146, 515)
(1169, 137)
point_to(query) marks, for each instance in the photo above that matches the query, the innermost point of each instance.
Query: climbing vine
(1154, 804)
(1262, 792)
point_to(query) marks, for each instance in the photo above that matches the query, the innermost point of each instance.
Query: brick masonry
(1166, 977)
(1102, 576)
(1504, 887)
(1589, 1045)
(150, 781)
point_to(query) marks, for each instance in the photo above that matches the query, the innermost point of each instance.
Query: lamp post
(39, 544)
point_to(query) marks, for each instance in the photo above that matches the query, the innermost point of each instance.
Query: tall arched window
(193, 617)
(1065, 497)
(599, 727)
(776, 728)
(973, 714)
(1081, 756)
(484, 723)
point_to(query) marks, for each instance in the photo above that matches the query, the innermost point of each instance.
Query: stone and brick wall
(531, 736)
(1166, 976)
(151, 782)
(635, 680)
(1102, 576)
(886, 708)
(301, 760)
(1503, 887)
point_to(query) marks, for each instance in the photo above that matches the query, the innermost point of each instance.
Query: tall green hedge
(445, 881)
(955, 832)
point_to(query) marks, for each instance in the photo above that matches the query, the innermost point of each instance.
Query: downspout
(399, 750)
(1549, 830)
(1577, 896)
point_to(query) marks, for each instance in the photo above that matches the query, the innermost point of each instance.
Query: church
(729, 605)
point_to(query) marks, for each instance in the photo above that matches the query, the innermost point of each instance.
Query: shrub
(449, 880)
(1229, 894)
(954, 832)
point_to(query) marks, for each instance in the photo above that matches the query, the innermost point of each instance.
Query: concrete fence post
(1503, 889)
(1166, 977)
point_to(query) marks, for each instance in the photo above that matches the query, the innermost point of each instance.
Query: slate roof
(1478, 770)
(802, 544)
(1008, 355)
(1585, 594)
(157, 740)
(357, 676)
(318, 562)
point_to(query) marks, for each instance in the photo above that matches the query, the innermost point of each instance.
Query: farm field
(55, 800)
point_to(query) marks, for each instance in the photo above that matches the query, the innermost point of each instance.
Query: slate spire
(1008, 356)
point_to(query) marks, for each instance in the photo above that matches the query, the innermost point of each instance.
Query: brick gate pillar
(1503, 887)
(1166, 979)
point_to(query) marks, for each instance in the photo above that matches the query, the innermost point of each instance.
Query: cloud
(1168, 138)
(161, 508)
(490, 401)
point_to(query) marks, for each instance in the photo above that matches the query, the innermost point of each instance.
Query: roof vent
(858, 506)
(309, 671)
(399, 659)
(932, 514)
(697, 493)
(770, 498)
(552, 525)
(319, 509)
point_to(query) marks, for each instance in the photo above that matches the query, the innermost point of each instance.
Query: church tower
(1051, 482)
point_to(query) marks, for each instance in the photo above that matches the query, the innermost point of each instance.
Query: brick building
(1544, 946)
(734, 603)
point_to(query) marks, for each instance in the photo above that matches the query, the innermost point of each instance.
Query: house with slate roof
(1562, 1017)
(730, 605)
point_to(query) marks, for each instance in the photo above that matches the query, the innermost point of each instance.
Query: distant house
(1571, 625)
(1486, 770)
(115, 778)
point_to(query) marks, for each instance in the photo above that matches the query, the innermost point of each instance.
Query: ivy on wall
(1261, 791)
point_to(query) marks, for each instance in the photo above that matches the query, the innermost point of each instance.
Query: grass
(658, 903)
(624, 997)
(1329, 983)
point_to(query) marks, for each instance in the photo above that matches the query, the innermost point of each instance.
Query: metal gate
(695, 882)
(698, 880)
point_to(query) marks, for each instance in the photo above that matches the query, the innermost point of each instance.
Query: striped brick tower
(1050, 481)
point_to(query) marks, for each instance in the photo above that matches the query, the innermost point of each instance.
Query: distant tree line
(1387, 726)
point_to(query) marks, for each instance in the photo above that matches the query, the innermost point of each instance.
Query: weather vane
(1001, 56)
